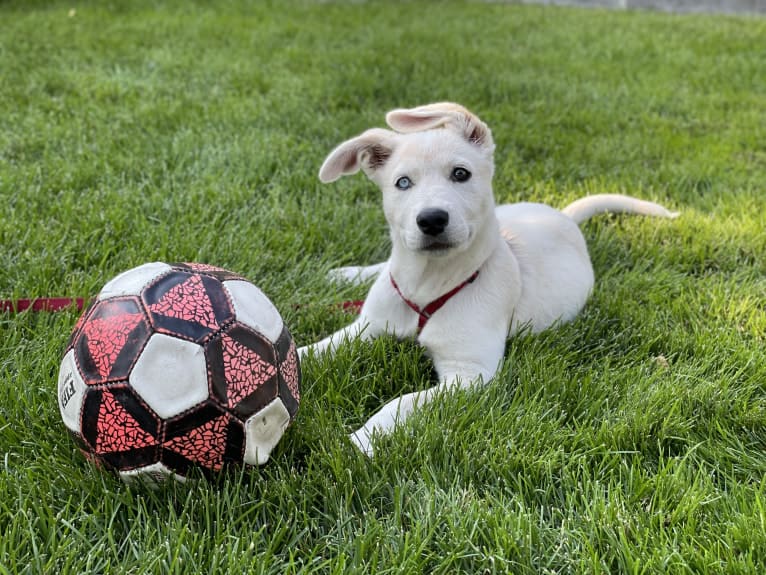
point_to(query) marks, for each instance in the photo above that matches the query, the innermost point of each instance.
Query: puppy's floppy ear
(370, 150)
(442, 114)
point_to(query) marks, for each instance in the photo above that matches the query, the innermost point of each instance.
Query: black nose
(432, 221)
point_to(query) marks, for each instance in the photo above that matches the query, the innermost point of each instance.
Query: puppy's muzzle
(432, 221)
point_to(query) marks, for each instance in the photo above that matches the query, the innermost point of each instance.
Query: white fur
(534, 268)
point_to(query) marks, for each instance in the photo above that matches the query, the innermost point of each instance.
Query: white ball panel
(170, 375)
(71, 391)
(133, 281)
(264, 430)
(254, 309)
(152, 475)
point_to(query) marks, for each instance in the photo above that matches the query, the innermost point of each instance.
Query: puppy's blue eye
(403, 183)
(460, 175)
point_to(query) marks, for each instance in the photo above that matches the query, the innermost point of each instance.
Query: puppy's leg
(360, 329)
(455, 370)
(384, 421)
(374, 319)
(355, 274)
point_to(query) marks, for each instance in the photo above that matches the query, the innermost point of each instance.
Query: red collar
(426, 312)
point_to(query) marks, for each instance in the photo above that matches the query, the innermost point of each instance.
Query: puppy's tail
(585, 208)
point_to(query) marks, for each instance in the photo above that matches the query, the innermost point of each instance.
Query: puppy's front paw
(362, 439)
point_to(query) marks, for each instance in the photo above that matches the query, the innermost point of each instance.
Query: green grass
(631, 440)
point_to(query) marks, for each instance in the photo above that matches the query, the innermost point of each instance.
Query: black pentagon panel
(110, 340)
(206, 437)
(243, 371)
(289, 372)
(188, 305)
(119, 429)
(205, 269)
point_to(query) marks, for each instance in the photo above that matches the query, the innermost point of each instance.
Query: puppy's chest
(424, 312)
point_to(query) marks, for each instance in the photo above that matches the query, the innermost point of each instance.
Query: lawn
(631, 440)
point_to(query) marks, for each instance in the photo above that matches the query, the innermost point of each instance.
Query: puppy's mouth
(435, 245)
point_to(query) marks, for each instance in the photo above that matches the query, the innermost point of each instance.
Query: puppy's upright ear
(443, 114)
(369, 151)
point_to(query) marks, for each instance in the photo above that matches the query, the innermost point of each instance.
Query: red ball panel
(186, 305)
(289, 372)
(242, 368)
(187, 301)
(110, 340)
(119, 429)
(205, 437)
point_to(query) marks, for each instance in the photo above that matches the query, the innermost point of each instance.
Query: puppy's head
(435, 171)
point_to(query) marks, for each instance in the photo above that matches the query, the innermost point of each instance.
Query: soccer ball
(175, 367)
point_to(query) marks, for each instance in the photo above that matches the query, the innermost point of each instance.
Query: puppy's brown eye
(403, 183)
(460, 175)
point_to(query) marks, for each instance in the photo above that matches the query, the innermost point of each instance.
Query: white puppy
(463, 274)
